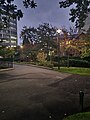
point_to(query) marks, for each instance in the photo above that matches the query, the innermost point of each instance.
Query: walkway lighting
(60, 32)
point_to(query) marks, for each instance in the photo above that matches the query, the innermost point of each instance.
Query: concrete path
(31, 93)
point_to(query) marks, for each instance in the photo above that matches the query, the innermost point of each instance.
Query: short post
(68, 61)
(81, 95)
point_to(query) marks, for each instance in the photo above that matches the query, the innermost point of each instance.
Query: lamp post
(59, 32)
(68, 53)
(50, 54)
(22, 57)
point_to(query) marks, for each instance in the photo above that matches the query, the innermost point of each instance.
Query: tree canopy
(28, 35)
(78, 13)
(12, 11)
(43, 35)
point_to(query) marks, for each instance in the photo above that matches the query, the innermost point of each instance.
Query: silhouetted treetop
(78, 12)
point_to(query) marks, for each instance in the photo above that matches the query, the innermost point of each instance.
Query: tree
(35, 39)
(6, 52)
(7, 11)
(79, 11)
(86, 48)
(46, 37)
(42, 36)
(28, 35)
(12, 11)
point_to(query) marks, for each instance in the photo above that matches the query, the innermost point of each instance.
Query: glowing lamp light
(59, 31)
(21, 46)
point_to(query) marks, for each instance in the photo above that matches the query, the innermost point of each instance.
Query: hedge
(79, 63)
(72, 63)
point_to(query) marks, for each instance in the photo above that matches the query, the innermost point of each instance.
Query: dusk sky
(47, 11)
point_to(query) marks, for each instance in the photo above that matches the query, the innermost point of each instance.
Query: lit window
(12, 37)
(13, 45)
(13, 41)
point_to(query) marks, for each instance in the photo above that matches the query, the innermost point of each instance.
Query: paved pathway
(31, 93)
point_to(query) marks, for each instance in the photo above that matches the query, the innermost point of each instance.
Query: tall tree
(8, 10)
(46, 35)
(86, 48)
(41, 37)
(12, 11)
(28, 35)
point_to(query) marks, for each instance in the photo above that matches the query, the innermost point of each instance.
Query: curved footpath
(32, 93)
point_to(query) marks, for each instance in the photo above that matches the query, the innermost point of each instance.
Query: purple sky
(47, 11)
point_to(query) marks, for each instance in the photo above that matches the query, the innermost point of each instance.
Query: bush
(79, 63)
(87, 58)
(72, 62)
(55, 58)
(46, 64)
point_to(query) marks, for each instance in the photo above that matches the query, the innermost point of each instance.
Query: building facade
(8, 35)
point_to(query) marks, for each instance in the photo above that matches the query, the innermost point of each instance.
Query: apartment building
(8, 35)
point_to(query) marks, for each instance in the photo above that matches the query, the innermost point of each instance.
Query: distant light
(59, 31)
(21, 46)
(1, 57)
(50, 116)
(68, 33)
(12, 37)
(7, 47)
(12, 46)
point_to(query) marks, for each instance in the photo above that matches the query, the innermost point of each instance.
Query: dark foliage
(73, 62)
(78, 12)
(12, 11)
(79, 63)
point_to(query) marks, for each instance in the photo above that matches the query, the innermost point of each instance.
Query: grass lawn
(79, 116)
(75, 70)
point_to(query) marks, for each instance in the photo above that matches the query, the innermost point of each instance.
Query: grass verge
(75, 70)
(79, 116)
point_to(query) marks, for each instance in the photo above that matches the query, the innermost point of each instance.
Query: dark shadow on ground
(66, 104)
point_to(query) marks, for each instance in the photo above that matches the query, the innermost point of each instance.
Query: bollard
(81, 95)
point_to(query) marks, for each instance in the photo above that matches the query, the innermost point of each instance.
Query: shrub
(46, 64)
(87, 58)
(79, 63)
(72, 61)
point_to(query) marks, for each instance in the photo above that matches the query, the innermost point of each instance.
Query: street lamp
(50, 54)
(21, 47)
(59, 31)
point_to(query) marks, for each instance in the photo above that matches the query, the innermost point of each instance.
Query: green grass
(79, 116)
(75, 70)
